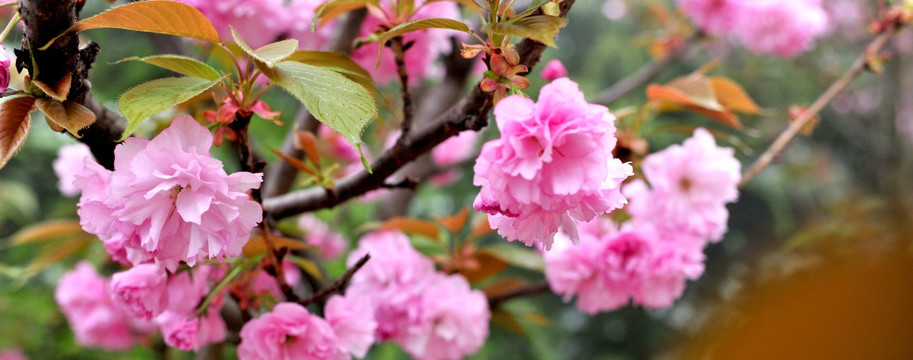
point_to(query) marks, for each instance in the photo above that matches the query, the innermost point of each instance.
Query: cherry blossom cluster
(168, 200)
(430, 314)
(784, 28)
(648, 259)
(551, 168)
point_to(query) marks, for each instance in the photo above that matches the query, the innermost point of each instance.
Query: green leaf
(337, 62)
(533, 6)
(340, 103)
(516, 255)
(541, 28)
(183, 65)
(268, 54)
(153, 97)
(421, 24)
(155, 16)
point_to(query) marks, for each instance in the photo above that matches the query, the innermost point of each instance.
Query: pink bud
(5, 62)
(554, 70)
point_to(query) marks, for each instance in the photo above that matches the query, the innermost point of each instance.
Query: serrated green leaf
(517, 255)
(340, 103)
(337, 62)
(421, 24)
(533, 6)
(541, 28)
(180, 64)
(153, 97)
(268, 54)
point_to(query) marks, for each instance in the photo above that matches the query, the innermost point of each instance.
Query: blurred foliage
(842, 193)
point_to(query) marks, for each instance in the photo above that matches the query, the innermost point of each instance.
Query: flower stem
(13, 22)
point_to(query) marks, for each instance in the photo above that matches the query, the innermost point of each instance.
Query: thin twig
(822, 101)
(399, 56)
(533, 289)
(647, 72)
(337, 286)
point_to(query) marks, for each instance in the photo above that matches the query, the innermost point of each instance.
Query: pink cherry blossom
(180, 326)
(12, 354)
(300, 15)
(690, 185)
(337, 146)
(554, 70)
(5, 61)
(394, 264)
(317, 233)
(780, 27)
(455, 149)
(68, 164)
(452, 321)
(427, 45)
(715, 17)
(610, 268)
(258, 22)
(352, 320)
(263, 286)
(552, 166)
(286, 333)
(168, 200)
(85, 299)
(141, 290)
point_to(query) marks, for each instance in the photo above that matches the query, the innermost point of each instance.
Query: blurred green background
(841, 196)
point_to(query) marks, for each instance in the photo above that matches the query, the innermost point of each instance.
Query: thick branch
(861, 63)
(339, 285)
(471, 113)
(280, 176)
(44, 20)
(647, 72)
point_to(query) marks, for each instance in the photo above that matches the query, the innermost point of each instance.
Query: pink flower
(12, 354)
(168, 200)
(258, 22)
(319, 234)
(554, 70)
(452, 320)
(455, 149)
(187, 332)
(394, 264)
(85, 300)
(180, 326)
(552, 166)
(265, 285)
(5, 62)
(715, 17)
(352, 320)
(141, 290)
(68, 164)
(288, 332)
(780, 27)
(300, 15)
(427, 45)
(610, 268)
(690, 186)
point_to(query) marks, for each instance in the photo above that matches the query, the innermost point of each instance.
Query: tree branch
(471, 113)
(787, 135)
(647, 72)
(44, 20)
(399, 55)
(337, 286)
(533, 289)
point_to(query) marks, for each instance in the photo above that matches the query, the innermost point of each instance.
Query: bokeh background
(817, 261)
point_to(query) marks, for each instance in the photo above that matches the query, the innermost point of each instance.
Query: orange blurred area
(847, 307)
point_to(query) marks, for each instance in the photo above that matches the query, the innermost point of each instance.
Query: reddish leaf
(482, 228)
(59, 91)
(68, 115)
(504, 286)
(413, 226)
(732, 96)
(308, 143)
(14, 124)
(454, 223)
(257, 244)
(48, 230)
(507, 320)
(485, 265)
(295, 162)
